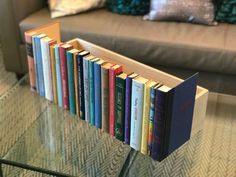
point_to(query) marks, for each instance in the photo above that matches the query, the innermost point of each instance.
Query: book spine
(53, 71)
(40, 68)
(91, 92)
(145, 124)
(81, 86)
(71, 84)
(76, 81)
(35, 63)
(86, 90)
(128, 89)
(58, 74)
(151, 118)
(158, 125)
(120, 108)
(46, 69)
(31, 64)
(64, 78)
(97, 94)
(105, 100)
(136, 115)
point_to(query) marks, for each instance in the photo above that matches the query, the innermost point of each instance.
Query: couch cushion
(172, 44)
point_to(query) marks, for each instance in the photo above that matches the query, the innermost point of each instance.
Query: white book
(137, 112)
(45, 49)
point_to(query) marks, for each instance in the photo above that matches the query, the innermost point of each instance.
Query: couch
(178, 48)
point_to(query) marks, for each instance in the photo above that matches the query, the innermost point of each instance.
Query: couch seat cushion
(170, 44)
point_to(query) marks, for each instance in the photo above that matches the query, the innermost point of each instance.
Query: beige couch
(178, 48)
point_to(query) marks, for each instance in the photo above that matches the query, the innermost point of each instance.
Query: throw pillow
(70, 7)
(226, 11)
(194, 11)
(129, 7)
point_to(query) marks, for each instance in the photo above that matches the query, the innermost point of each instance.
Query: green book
(120, 106)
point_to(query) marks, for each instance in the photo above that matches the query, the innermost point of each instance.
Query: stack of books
(140, 112)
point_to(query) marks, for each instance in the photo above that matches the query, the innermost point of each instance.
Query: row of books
(128, 106)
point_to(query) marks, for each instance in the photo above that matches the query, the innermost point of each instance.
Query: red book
(64, 76)
(113, 71)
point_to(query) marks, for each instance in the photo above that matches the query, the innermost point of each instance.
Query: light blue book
(137, 112)
(35, 61)
(58, 76)
(86, 86)
(91, 90)
(71, 81)
(40, 64)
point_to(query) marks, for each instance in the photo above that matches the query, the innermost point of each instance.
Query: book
(97, 93)
(137, 112)
(120, 106)
(35, 62)
(46, 61)
(151, 116)
(113, 71)
(86, 86)
(53, 73)
(91, 90)
(71, 79)
(58, 74)
(30, 59)
(128, 95)
(146, 114)
(81, 83)
(179, 115)
(39, 64)
(64, 76)
(159, 121)
(105, 95)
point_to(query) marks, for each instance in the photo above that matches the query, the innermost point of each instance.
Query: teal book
(71, 81)
(120, 106)
(91, 90)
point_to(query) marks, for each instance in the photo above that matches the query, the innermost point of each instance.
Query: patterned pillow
(69, 7)
(226, 11)
(129, 7)
(194, 11)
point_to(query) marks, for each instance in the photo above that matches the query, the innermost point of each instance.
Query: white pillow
(61, 8)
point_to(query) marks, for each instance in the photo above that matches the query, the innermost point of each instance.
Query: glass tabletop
(38, 135)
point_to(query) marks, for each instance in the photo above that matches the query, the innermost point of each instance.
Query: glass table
(37, 136)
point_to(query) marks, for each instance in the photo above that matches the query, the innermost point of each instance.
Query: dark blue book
(179, 115)
(97, 93)
(81, 83)
(128, 94)
(40, 64)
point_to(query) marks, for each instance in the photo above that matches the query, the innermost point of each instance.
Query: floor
(211, 153)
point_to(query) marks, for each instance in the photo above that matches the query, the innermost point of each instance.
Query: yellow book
(53, 70)
(146, 113)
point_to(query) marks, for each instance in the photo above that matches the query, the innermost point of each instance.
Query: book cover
(71, 79)
(54, 75)
(86, 86)
(58, 74)
(30, 59)
(97, 93)
(81, 82)
(146, 114)
(159, 121)
(105, 95)
(128, 94)
(179, 116)
(35, 62)
(47, 75)
(120, 106)
(91, 90)
(64, 76)
(113, 71)
(137, 112)
(39, 63)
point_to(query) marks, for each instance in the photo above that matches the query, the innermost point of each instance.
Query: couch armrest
(11, 13)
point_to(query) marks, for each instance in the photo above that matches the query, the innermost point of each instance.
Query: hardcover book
(137, 112)
(128, 96)
(113, 71)
(54, 75)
